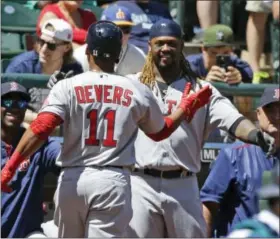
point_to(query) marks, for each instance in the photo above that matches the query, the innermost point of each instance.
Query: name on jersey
(103, 93)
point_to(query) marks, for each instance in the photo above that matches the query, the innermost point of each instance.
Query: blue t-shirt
(233, 182)
(22, 210)
(144, 15)
(197, 65)
(28, 62)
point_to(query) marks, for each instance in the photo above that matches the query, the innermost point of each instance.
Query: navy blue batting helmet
(104, 39)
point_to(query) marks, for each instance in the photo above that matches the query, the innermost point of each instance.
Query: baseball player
(165, 194)
(101, 113)
(266, 223)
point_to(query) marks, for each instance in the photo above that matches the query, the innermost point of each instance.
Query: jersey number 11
(109, 141)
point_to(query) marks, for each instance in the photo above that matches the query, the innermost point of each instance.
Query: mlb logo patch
(120, 14)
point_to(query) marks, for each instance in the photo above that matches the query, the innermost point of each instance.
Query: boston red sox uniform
(93, 197)
(171, 207)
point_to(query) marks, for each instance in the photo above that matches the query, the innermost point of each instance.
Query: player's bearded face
(166, 51)
(269, 119)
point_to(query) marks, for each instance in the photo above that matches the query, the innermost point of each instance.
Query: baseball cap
(270, 95)
(117, 14)
(58, 29)
(270, 183)
(218, 35)
(14, 87)
(166, 27)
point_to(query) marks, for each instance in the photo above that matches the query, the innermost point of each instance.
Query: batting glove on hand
(191, 103)
(266, 142)
(7, 174)
(57, 76)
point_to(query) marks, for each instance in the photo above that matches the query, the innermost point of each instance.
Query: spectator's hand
(57, 76)
(216, 73)
(34, 95)
(233, 76)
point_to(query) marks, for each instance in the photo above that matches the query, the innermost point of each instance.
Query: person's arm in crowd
(275, 10)
(215, 187)
(47, 16)
(244, 69)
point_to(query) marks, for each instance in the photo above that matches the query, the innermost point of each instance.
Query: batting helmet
(104, 39)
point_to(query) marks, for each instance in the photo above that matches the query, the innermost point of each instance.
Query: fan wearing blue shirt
(54, 52)
(229, 194)
(144, 14)
(217, 62)
(22, 209)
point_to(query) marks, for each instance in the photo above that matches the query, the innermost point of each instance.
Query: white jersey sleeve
(222, 113)
(58, 100)
(152, 120)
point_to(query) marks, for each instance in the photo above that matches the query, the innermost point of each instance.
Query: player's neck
(107, 68)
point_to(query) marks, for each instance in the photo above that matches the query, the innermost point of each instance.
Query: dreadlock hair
(148, 74)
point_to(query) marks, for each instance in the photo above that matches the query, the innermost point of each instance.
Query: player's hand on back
(190, 103)
(57, 76)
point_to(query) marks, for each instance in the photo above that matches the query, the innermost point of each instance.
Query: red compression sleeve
(167, 130)
(15, 160)
(44, 124)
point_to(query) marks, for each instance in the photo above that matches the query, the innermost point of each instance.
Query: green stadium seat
(17, 18)
(10, 44)
(4, 64)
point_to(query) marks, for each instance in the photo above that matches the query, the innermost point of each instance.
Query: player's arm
(246, 131)
(189, 104)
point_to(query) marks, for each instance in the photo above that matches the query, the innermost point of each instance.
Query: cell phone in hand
(223, 61)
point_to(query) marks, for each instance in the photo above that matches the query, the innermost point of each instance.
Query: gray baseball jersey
(131, 61)
(182, 148)
(101, 114)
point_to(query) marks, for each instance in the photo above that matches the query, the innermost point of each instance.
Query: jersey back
(101, 114)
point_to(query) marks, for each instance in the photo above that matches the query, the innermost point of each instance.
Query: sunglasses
(9, 103)
(125, 30)
(50, 46)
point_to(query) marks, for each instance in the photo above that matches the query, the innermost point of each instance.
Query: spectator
(229, 193)
(255, 35)
(54, 53)
(70, 12)
(218, 40)
(132, 58)
(144, 14)
(31, 4)
(21, 210)
(266, 223)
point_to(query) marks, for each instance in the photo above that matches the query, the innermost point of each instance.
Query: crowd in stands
(230, 194)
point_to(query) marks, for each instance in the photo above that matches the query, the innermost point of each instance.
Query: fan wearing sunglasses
(132, 58)
(53, 52)
(21, 211)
